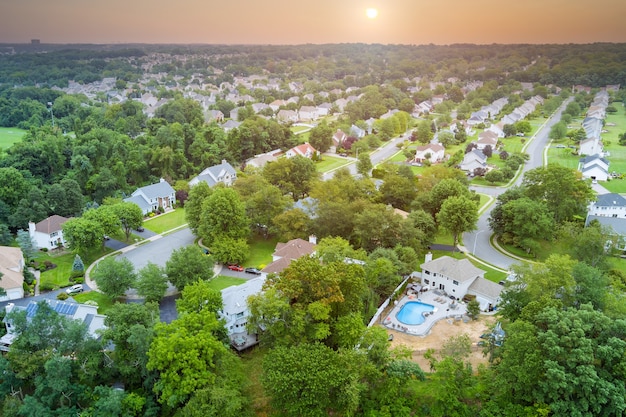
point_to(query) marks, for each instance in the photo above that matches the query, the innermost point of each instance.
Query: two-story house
(12, 270)
(151, 197)
(48, 233)
(222, 173)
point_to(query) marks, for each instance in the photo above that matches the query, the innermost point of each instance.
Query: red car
(237, 268)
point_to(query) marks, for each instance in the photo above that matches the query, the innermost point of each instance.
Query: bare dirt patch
(439, 333)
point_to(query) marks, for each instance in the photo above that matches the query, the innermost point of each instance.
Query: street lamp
(51, 114)
(476, 240)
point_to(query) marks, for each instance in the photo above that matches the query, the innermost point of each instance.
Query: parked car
(106, 237)
(237, 268)
(252, 271)
(75, 289)
(140, 229)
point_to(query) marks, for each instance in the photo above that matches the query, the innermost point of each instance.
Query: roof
(153, 191)
(235, 298)
(294, 249)
(11, 265)
(485, 287)
(431, 147)
(617, 224)
(586, 159)
(610, 200)
(140, 201)
(458, 269)
(51, 224)
(212, 175)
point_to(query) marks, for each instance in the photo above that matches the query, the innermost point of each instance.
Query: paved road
(478, 242)
(159, 250)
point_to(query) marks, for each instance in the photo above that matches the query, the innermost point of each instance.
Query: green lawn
(59, 276)
(104, 301)
(221, 281)
(8, 136)
(261, 252)
(331, 162)
(168, 221)
(299, 129)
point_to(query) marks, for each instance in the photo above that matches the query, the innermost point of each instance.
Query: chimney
(429, 257)
(31, 229)
(162, 180)
(313, 239)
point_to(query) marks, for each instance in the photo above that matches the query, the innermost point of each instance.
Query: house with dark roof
(458, 278)
(287, 252)
(222, 173)
(151, 197)
(84, 313)
(610, 210)
(12, 270)
(472, 160)
(48, 233)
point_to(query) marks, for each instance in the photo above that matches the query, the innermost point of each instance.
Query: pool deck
(445, 308)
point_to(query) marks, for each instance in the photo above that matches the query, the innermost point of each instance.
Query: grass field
(166, 221)
(59, 276)
(8, 136)
(331, 162)
(222, 281)
(260, 252)
(104, 301)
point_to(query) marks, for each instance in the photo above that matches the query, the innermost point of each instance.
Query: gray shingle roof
(610, 200)
(160, 189)
(458, 269)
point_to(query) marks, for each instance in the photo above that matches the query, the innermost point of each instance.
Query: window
(426, 282)
(239, 315)
(53, 234)
(455, 282)
(427, 272)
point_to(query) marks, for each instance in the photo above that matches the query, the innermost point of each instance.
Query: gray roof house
(151, 197)
(224, 173)
(235, 311)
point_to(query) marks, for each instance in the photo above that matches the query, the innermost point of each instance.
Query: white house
(84, 313)
(224, 173)
(487, 138)
(235, 311)
(590, 146)
(12, 269)
(48, 233)
(608, 205)
(434, 152)
(151, 197)
(594, 167)
(305, 150)
(458, 278)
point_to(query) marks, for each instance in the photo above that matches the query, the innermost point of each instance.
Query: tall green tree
(188, 265)
(114, 277)
(82, 235)
(223, 215)
(321, 137)
(130, 216)
(458, 215)
(151, 282)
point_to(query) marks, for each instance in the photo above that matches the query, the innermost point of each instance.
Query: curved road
(478, 242)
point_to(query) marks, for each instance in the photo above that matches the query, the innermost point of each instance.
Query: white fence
(388, 300)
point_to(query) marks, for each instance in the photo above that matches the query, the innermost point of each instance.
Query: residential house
(260, 160)
(434, 152)
(287, 116)
(151, 197)
(276, 104)
(48, 233)
(307, 113)
(487, 138)
(610, 210)
(324, 109)
(305, 150)
(338, 138)
(12, 269)
(83, 313)
(222, 173)
(472, 160)
(594, 167)
(235, 312)
(591, 146)
(357, 132)
(287, 252)
(230, 125)
(458, 278)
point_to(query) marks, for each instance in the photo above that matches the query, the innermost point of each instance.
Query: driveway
(159, 250)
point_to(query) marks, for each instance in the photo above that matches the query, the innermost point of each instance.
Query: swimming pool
(412, 312)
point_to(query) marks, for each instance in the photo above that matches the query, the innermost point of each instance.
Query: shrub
(62, 296)
(46, 286)
(29, 277)
(76, 274)
(44, 249)
(79, 280)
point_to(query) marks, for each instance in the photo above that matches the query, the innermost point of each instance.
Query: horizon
(281, 22)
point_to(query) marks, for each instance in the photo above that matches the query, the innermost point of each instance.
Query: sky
(289, 22)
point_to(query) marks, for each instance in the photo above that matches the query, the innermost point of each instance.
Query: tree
(82, 234)
(223, 216)
(151, 282)
(114, 277)
(321, 137)
(473, 309)
(310, 380)
(528, 219)
(292, 175)
(291, 224)
(364, 164)
(493, 176)
(398, 191)
(227, 250)
(5, 235)
(458, 215)
(558, 131)
(509, 130)
(447, 187)
(193, 207)
(199, 296)
(523, 126)
(263, 201)
(78, 265)
(188, 265)
(188, 357)
(130, 216)
(26, 244)
(106, 217)
(423, 132)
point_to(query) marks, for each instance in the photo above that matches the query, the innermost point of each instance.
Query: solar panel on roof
(31, 309)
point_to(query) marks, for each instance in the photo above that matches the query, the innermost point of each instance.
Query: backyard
(8, 136)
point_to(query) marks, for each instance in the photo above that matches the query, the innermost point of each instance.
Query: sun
(371, 13)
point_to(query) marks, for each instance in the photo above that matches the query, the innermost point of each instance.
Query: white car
(75, 289)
